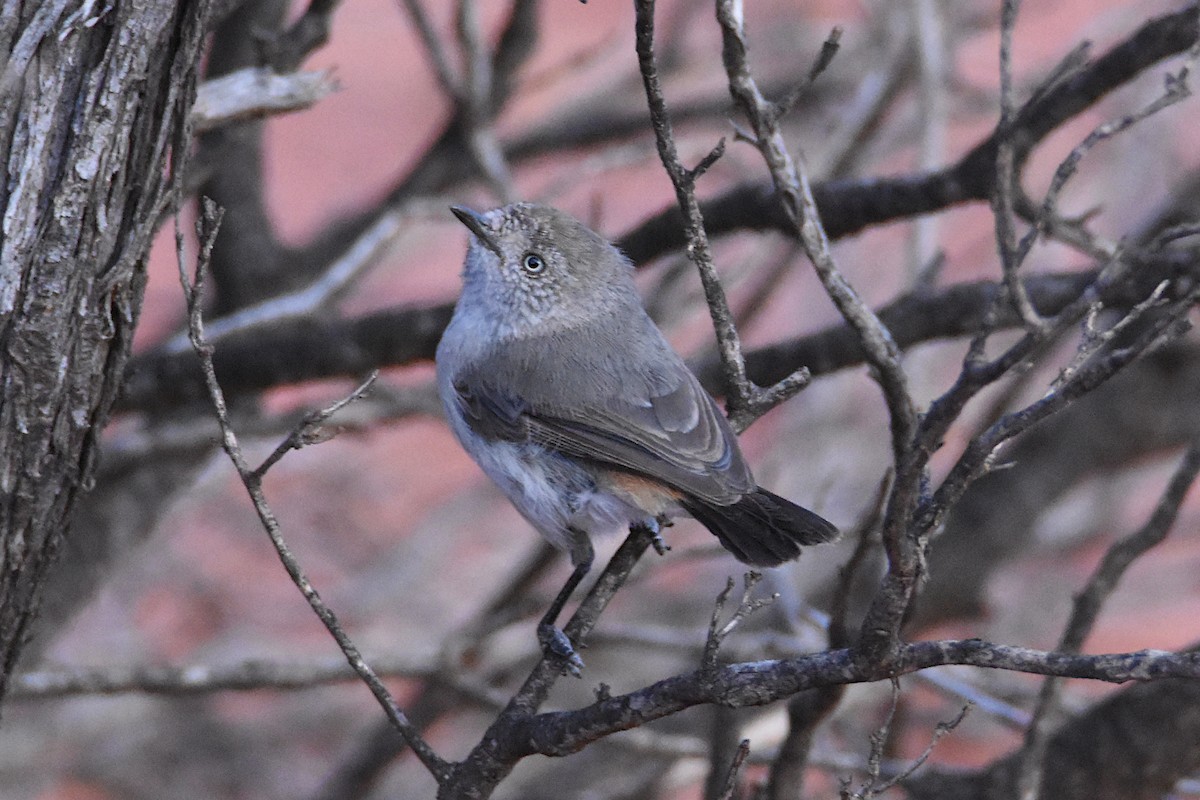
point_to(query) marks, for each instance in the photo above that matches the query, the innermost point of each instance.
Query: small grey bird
(557, 382)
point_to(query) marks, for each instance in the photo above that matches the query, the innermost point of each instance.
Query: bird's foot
(556, 644)
(654, 528)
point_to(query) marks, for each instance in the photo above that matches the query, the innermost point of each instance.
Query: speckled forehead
(529, 225)
(499, 220)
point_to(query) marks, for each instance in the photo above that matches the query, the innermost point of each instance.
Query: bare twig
(310, 30)
(434, 49)
(475, 103)
(873, 786)
(730, 785)
(863, 112)
(176, 437)
(1046, 219)
(794, 192)
(747, 605)
(249, 675)
(338, 277)
(939, 730)
(1012, 252)
(792, 189)
(879, 740)
(1094, 339)
(252, 480)
(976, 457)
(929, 38)
(1119, 557)
(308, 430)
(489, 761)
(1006, 175)
(829, 50)
(741, 393)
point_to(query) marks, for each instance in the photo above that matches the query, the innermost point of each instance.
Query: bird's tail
(762, 529)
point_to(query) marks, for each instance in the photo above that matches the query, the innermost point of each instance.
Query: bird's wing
(676, 435)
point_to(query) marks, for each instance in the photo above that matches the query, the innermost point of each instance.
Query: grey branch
(193, 291)
(257, 92)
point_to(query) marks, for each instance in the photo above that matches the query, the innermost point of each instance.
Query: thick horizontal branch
(298, 350)
(848, 206)
(312, 350)
(761, 682)
(318, 348)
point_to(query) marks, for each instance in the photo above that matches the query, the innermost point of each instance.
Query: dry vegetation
(949, 251)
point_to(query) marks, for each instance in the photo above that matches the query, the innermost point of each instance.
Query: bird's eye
(533, 263)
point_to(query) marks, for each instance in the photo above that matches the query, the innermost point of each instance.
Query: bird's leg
(554, 641)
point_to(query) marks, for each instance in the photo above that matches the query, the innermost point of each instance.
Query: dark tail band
(762, 529)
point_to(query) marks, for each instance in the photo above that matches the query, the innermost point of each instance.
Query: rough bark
(88, 112)
(131, 496)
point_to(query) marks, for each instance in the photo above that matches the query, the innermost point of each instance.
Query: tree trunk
(89, 109)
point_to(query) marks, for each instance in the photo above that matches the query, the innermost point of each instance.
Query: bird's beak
(478, 226)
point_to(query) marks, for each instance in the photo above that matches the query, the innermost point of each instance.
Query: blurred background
(407, 540)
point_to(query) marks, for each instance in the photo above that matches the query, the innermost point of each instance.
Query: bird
(555, 380)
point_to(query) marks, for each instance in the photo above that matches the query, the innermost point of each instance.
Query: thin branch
(879, 739)
(1119, 557)
(794, 192)
(741, 394)
(978, 453)
(475, 103)
(747, 605)
(308, 430)
(435, 50)
(248, 675)
(929, 30)
(863, 113)
(310, 30)
(1006, 176)
(905, 553)
(338, 277)
(252, 480)
(486, 765)
(730, 785)
(178, 436)
(939, 730)
(1013, 253)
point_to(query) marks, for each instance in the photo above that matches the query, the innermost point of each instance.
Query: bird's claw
(556, 644)
(654, 528)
